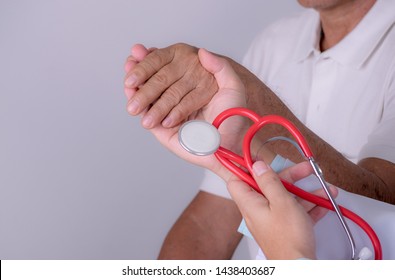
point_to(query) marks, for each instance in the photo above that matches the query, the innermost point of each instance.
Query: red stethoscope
(202, 138)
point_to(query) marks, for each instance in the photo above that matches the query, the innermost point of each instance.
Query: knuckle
(179, 90)
(183, 50)
(141, 71)
(157, 111)
(157, 59)
(151, 64)
(269, 178)
(179, 113)
(145, 97)
(169, 100)
(187, 107)
(197, 98)
(161, 78)
(191, 101)
(181, 46)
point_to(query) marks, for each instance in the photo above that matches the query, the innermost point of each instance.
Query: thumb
(269, 182)
(221, 69)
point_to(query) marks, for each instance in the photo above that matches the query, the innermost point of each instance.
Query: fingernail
(130, 81)
(147, 121)
(259, 168)
(133, 107)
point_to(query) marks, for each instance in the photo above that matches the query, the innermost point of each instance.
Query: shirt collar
(359, 44)
(309, 36)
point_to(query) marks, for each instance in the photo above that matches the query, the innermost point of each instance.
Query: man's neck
(338, 21)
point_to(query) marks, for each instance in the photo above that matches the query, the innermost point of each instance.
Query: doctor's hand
(167, 84)
(281, 224)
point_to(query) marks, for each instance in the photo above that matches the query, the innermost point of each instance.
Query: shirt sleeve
(381, 142)
(214, 184)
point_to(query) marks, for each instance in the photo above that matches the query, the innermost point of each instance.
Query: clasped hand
(178, 83)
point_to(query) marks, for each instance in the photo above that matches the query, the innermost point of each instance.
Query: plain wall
(79, 177)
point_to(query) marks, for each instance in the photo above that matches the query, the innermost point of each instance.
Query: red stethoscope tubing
(228, 159)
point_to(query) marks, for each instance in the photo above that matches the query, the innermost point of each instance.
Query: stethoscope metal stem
(318, 173)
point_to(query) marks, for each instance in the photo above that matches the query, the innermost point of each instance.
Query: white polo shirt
(345, 95)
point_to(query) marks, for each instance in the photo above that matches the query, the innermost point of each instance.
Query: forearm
(364, 179)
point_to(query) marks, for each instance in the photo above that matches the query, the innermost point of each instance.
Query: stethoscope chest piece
(199, 137)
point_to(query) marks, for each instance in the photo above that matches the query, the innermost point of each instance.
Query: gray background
(79, 177)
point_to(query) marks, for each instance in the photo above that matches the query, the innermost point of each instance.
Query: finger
(139, 52)
(154, 88)
(191, 102)
(224, 74)
(129, 92)
(148, 66)
(168, 101)
(129, 65)
(238, 189)
(269, 183)
(202, 86)
(244, 196)
(296, 172)
(317, 212)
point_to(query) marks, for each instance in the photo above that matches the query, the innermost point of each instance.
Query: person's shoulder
(276, 43)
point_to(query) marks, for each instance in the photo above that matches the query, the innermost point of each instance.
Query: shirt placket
(321, 92)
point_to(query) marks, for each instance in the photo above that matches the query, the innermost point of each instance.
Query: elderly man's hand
(231, 94)
(167, 84)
